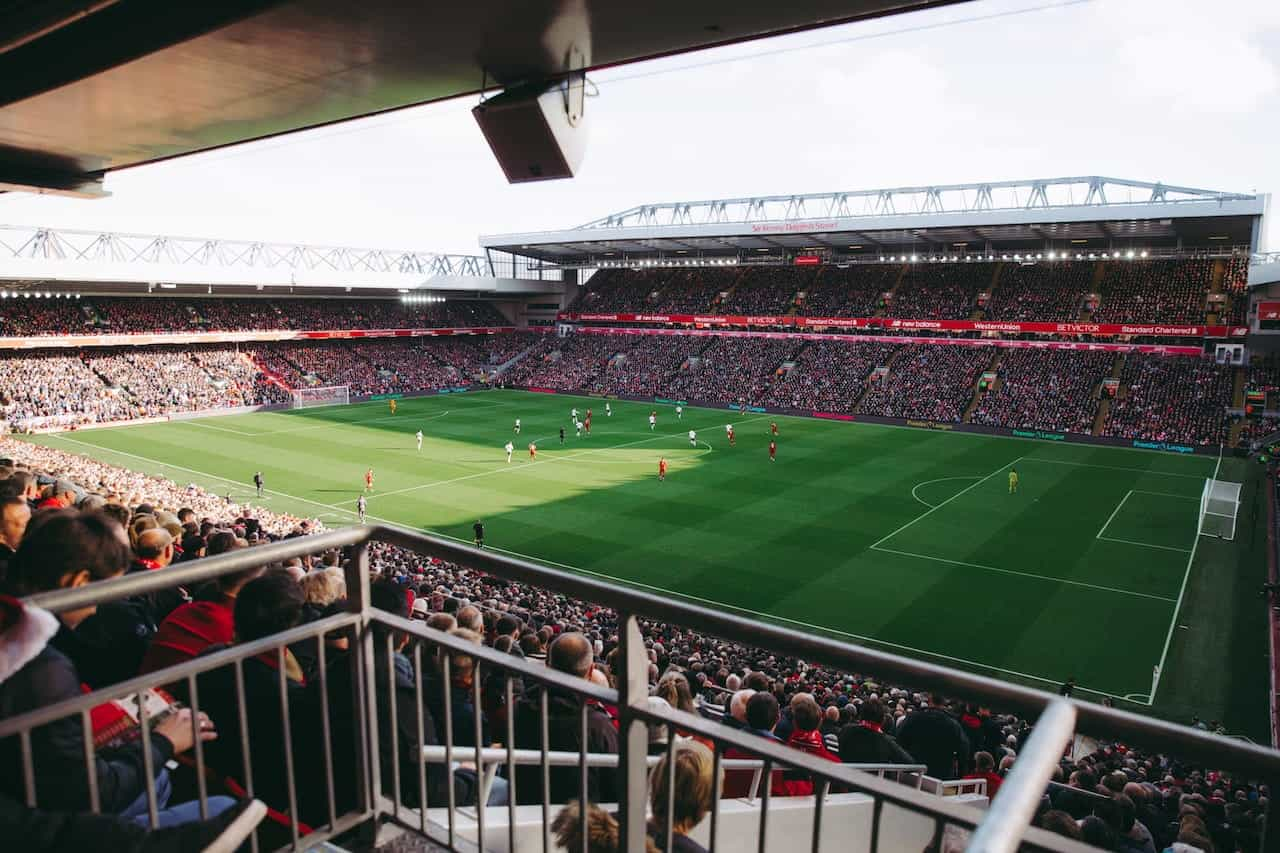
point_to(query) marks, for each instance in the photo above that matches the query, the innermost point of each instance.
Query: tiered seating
(927, 382)
(621, 290)
(695, 291)
(852, 292)
(1154, 291)
(177, 314)
(767, 290)
(1171, 399)
(734, 369)
(829, 376)
(1045, 389)
(939, 291)
(1040, 292)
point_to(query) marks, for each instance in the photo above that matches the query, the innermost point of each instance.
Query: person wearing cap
(421, 609)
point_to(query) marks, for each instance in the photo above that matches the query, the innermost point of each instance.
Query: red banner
(1268, 311)
(1037, 328)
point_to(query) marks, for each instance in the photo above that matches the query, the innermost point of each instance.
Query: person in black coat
(265, 606)
(68, 549)
(398, 680)
(570, 653)
(936, 739)
(864, 741)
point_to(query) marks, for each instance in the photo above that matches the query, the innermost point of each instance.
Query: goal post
(326, 395)
(1219, 506)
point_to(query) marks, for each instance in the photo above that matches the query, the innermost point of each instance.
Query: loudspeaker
(536, 133)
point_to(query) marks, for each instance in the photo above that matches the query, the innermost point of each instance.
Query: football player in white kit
(608, 412)
(653, 421)
(679, 413)
(693, 438)
(419, 438)
(510, 448)
(516, 428)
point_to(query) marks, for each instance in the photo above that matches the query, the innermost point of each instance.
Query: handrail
(1186, 742)
(1003, 826)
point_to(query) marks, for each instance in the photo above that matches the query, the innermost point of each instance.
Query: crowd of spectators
(927, 382)
(635, 365)
(939, 291)
(856, 291)
(1045, 389)
(139, 314)
(1040, 292)
(164, 380)
(621, 290)
(734, 370)
(103, 385)
(24, 318)
(1160, 291)
(828, 376)
(1139, 291)
(1181, 399)
(767, 290)
(1235, 282)
(50, 389)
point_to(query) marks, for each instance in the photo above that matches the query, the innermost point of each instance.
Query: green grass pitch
(906, 539)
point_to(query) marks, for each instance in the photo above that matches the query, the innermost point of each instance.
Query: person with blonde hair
(693, 787)
(322, 588)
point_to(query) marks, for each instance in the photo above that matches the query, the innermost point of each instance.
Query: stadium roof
(1040, 213)
(92, 86)
(40, 259)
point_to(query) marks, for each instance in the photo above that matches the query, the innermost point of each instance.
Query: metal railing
(403, 790)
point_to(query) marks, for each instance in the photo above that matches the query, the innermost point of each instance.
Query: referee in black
(478, 527)
(257, 482)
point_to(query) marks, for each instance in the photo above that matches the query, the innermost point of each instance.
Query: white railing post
(1015, 805)
(633, 741)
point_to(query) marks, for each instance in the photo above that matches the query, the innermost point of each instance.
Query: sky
(1180, 91)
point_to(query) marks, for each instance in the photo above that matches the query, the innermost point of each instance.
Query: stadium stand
(850, 292)
(1155, 291)
(767, 290)
(734, 369)
(927, 382)
(113, 314)
(939, 291)
(828, 376)
(1029, 292)
(1045, 389)
(1054, 390)
(1171, 399)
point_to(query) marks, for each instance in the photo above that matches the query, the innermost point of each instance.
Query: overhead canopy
(87, 87)
(1050, 213)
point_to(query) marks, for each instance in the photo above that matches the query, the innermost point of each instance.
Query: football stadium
(937, 517)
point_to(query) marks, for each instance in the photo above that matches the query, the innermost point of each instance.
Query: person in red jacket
(197, 625)
(806, 717)
(984, 767)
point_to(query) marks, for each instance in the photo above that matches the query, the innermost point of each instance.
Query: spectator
(264, 606)
(693, 793)
(193, 627)
(865, 741)
(935, 738)
(572, 654)
(63, 550)
(984, 767)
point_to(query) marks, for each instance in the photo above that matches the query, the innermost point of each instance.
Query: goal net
(1219, 505)
(328, 395)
